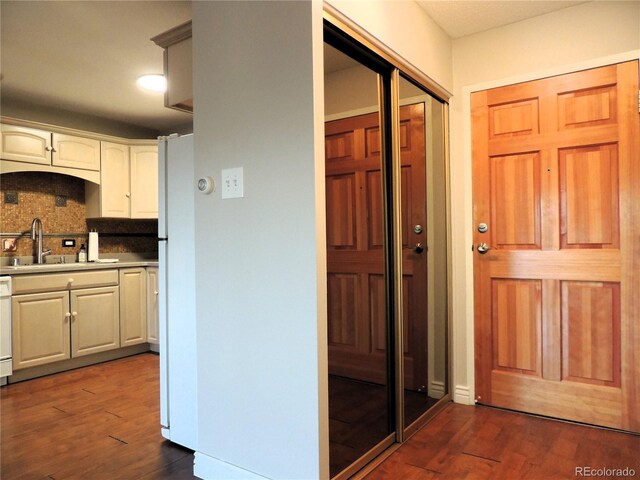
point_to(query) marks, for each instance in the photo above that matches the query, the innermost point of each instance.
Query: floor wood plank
(102, 422)
(98, 422)
(468, 442)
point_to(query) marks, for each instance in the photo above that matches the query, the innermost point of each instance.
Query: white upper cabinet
(144, 181)
(178, 66)
(114, 181)
(23, 144)
(128, 183)
(30, 145)
(75, 152)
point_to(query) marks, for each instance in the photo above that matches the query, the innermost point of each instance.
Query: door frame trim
(465, 394)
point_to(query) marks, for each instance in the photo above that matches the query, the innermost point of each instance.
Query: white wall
(569, 39)
(261, 280)
(405, 28)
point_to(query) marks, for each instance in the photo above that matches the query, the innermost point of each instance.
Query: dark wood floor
(101, 422)
(358, 418)
(467, 442)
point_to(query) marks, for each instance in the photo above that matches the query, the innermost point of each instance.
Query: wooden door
(356, 283)
(40, 328)
(95, 319)
(556, 178)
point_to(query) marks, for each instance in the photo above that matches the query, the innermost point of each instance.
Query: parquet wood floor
(101, 422)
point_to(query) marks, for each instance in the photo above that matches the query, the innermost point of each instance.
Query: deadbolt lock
(483, 227)
(417, 229)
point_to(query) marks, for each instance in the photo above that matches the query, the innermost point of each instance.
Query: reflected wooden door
(355, 238)
(556, 178)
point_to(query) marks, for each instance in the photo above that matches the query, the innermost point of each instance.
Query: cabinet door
(95, 325)
(23, 144)
(133, 306)
(114, 181)
(152, 305)
(144, 181)
(40, 325)
(75, 152)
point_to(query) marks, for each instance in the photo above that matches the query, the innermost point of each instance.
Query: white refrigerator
(176, 278)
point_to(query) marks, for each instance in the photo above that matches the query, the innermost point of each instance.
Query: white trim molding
(462, 395)
(212, 468)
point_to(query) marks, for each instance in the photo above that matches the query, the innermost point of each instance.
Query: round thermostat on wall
(206, 184)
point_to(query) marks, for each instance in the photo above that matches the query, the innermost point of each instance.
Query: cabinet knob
(74, 314)
(128, 194)
(67, 315)
(71, 280)
(155, 292)
(48, 148)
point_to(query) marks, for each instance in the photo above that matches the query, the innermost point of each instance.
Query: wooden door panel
(517, 312)
(375, 227)
(339, 146)
(587, 108)
(513, 119)
(341, 200)
(591, 332)
(589, 197)
(405, 135)
(343, 310)
(378, 313)
(372, 142)
(556, 176)
(515, 201)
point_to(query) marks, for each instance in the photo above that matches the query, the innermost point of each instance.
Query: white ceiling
(459, 18)
(85, 56)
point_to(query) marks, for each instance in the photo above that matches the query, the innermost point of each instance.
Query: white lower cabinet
(133, 306)
(95, 320)
(63, 315)
(59, 316)
(53, 326)
(40, 328)
(152, 306)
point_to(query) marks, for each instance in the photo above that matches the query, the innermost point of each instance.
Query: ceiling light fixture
(154, 83)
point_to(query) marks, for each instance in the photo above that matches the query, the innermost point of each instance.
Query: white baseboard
(462, 395)
(436, 389)
(210, 468)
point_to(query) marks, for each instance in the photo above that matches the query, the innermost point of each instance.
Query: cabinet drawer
(63, 281)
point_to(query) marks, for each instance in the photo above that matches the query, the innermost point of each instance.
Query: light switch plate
(232, 182)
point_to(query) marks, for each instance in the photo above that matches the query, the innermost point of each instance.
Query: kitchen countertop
(71, 267)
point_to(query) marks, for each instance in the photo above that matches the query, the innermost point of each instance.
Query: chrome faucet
(36, 229)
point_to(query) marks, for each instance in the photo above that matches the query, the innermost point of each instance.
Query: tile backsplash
(58, 200)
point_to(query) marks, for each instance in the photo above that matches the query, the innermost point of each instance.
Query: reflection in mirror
(423, 205)
(359, 417)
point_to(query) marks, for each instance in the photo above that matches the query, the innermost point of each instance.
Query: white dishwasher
(6, 366)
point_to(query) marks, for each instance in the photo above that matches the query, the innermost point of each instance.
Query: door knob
(483, 248)
(418, 248)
